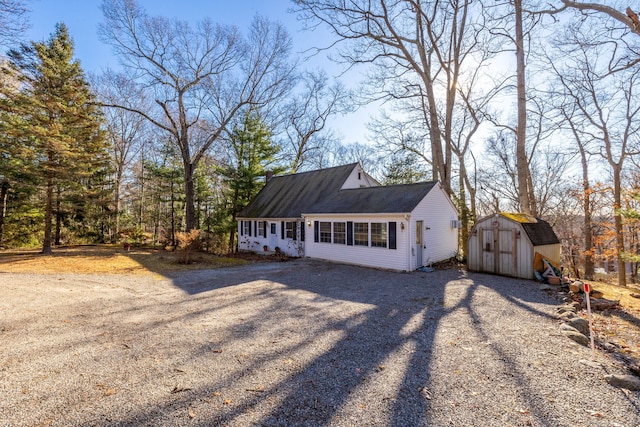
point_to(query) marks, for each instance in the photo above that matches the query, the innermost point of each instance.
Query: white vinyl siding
(393, 259)
(274, 239)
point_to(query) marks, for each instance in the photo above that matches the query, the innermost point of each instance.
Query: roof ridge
(316, 170)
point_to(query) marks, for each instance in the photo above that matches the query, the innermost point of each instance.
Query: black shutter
(350, 233)
(392, 236)
(302, 227)
(242, 228)
(316, 231)
(282, 230)
(264, 229)
(250, 227)
(294, 227)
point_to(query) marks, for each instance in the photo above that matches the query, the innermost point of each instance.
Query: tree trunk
(617, 204)
(586, 207)
(521, 130)
(58, 228)
(189, 193)
(4, 195)
(118, 205)
(48, 210)
(464, 217)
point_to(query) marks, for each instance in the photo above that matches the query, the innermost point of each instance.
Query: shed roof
(288, 196)
(401, 198)
(540, 233)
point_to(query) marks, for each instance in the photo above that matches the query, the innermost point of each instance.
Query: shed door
(506, 252)
(487, 249)
(498, 251)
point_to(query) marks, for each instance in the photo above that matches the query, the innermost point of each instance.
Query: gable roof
(402, 198)
(288, 196)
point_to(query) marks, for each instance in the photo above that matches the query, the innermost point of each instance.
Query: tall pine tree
(57, 114)
(252, 151)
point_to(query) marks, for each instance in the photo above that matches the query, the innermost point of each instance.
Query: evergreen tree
(55, 110)
(252, 153)
(405, 170)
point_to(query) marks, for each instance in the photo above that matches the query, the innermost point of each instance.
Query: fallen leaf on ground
(178, 389)
(425, 393)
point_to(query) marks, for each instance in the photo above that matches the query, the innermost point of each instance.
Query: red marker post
(587, 291)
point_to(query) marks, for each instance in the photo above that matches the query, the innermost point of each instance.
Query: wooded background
(512, 105)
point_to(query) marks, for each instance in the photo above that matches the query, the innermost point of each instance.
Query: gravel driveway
(299, 343)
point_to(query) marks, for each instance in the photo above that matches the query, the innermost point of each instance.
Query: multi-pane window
(325, 232)
(261, 228)
(246, 228)
(339, 233)
(361, 233)
(379, 234)
(289, 229)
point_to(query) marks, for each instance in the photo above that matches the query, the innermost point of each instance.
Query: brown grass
(615, 292)
(106, 259)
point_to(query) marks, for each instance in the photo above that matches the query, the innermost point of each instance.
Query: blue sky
(82, 17)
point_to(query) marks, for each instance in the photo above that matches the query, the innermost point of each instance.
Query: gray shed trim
(288, 196)
(402, 198)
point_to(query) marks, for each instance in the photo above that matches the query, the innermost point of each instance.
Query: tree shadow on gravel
(371, 365)
(343, 375)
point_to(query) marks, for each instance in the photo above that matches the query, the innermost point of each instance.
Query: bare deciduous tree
(605, 110)
(417, 52)
(127, 131)
(200, 78)
(305, 117)
(13, 20)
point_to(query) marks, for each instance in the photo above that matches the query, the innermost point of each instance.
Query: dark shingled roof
(540, 233)
(288, 196)
(401, 198)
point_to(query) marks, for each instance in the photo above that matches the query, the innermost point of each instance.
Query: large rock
(567, 315)
(580, 324)
(630, 382)
(572, 333)
(567, 307)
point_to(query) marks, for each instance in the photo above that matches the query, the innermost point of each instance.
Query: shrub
(188, 242)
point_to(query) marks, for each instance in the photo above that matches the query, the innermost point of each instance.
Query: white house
(342, 214)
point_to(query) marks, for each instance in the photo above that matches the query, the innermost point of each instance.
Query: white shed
(506, 244)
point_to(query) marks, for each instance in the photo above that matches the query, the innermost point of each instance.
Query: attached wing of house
(342, 214)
